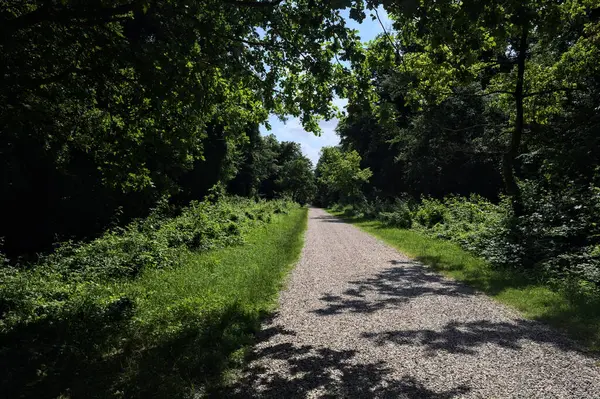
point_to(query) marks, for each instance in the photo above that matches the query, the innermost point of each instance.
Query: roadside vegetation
(572, 306)
(161, 308)
(145, 221)
(478, 125)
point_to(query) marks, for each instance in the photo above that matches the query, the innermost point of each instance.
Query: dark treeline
(107, 107)
(44, 203)
(498, 100)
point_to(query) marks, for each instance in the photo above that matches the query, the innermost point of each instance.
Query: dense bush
(164, 318)
(430, 213)
(560, 232)
(74, 279)
(474, 223)
(399, 215)
(557, 236)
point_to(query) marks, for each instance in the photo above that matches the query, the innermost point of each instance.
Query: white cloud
(311, 144)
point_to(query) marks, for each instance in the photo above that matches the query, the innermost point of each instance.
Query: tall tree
(443, 44)
(340, 176)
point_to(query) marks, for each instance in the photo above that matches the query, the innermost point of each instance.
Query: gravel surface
(359, 319)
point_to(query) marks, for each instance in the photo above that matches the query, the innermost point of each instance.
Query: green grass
(219, 297)
(578, 315)
(177, 333)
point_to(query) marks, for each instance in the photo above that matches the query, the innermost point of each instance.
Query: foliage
(451, 147)
(273, 169)
(156, 243)
(463, 93)
(400, 215)
(340, 176)
(559, 233)
(430, 213)
(144, 65)
(113, 105)
(164, 332)
(400, 218)
(556, 239)
(470, 222)
(557, 236)
(485, 117)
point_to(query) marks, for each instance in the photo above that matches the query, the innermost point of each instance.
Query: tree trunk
(508, 169)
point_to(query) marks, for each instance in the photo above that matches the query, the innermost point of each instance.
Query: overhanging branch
(258, 4)
(64, 15)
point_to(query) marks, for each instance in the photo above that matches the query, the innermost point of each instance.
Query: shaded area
(398, 285)
(346, 216)
(168, 333)
(466, 338)
(390, 287)
(100, 355)
(328, 219)
(302, 370)
(491, 281)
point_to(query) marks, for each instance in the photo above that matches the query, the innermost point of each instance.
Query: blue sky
(292, 130)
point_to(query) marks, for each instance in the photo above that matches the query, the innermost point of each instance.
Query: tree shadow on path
(405, 281)
(297, 371)
(390, 287)
(329, 219)
(468, 337)
(282, 367)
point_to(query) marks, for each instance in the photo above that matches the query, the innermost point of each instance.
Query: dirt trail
(359, 319)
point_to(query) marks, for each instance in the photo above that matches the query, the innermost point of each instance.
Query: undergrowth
(158, 309)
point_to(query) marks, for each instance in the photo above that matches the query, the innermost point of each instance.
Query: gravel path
(359, 319)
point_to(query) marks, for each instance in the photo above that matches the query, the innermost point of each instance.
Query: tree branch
(255, 43)
(485, 94)
(396, 49)
(63, 16)
(258, 4)
(466, 128)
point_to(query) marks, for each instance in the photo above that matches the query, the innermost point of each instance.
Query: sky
(292, 130)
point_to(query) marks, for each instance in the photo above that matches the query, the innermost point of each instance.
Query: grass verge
(576, 315)
(215, 302)
(176, 332)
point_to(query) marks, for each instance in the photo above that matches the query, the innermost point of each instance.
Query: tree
(272, 169)
(444, 44)
(467, 90)
(297, 180)
(105, 107)
(339, 176)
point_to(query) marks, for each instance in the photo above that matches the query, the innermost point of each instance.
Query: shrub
(400, 215)
(559, 230)
(474, 223)
(557, 236)
(69, 329)
(430, 212)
